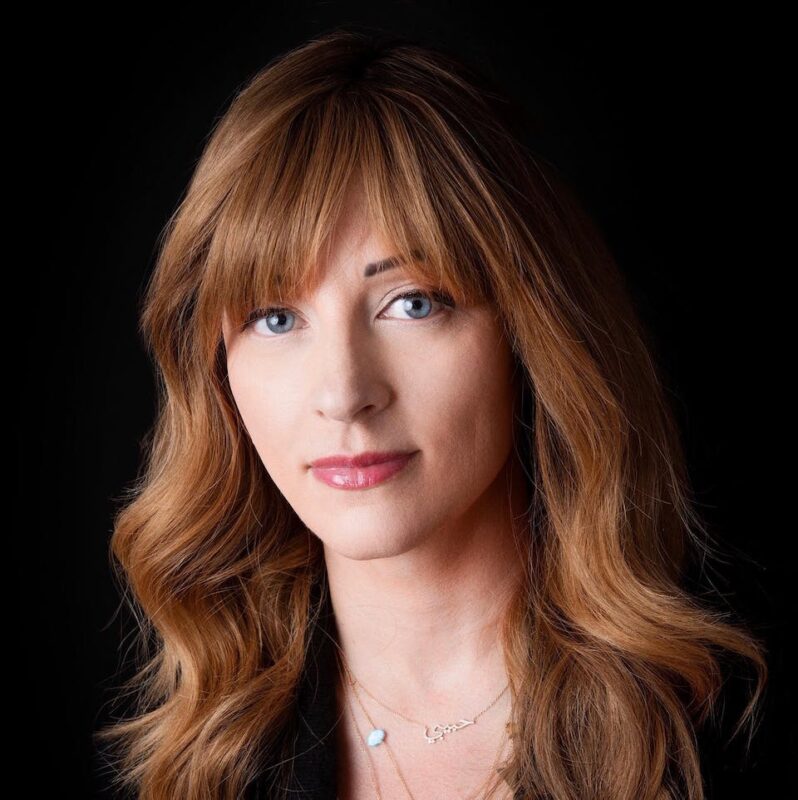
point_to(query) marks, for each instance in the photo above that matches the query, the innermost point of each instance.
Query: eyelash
(440, 297)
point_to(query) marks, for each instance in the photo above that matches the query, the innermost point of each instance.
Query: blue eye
(414, 302)
(269, 314)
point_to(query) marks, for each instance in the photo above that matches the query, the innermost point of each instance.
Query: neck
(420, 629)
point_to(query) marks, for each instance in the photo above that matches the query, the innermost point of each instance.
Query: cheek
(472, 397)
(263, 411)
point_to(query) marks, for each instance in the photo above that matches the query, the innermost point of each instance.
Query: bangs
(275, 227)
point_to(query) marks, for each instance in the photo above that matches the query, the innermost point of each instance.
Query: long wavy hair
(614, 662)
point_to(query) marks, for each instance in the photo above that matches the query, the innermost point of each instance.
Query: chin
(365, 546)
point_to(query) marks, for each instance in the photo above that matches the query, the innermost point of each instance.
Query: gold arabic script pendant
(439, 731)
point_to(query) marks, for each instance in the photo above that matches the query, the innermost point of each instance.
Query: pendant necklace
(437, 733)
(372, 772)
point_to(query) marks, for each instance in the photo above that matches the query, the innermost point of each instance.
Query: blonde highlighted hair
(614, 664)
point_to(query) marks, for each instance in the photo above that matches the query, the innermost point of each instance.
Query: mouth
(360, 472)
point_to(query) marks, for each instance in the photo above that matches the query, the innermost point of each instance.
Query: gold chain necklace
(380, 737)
(438, 732)
(372, 773)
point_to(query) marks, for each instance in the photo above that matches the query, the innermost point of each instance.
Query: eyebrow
(376, 267)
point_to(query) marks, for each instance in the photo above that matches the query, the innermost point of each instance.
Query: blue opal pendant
(376, 737)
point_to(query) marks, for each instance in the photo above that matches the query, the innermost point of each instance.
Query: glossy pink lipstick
(361, 471)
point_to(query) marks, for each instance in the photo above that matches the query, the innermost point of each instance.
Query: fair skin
(420, 567)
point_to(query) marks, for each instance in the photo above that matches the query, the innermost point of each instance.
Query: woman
(416, 519)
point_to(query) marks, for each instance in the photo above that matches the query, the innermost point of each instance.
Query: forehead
(355, 254)
(355, 249)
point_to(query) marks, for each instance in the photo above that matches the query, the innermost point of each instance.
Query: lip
(365, 459)
(361, 471)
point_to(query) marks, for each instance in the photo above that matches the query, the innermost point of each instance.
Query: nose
(347, 374)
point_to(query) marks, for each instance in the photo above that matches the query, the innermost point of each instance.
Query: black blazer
(314, 774)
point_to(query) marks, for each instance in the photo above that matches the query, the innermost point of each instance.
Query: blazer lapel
(314, 768)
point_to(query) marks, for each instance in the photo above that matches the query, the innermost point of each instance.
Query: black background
(668, 122)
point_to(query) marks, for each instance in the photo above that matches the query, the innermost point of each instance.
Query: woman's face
(351, 369)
